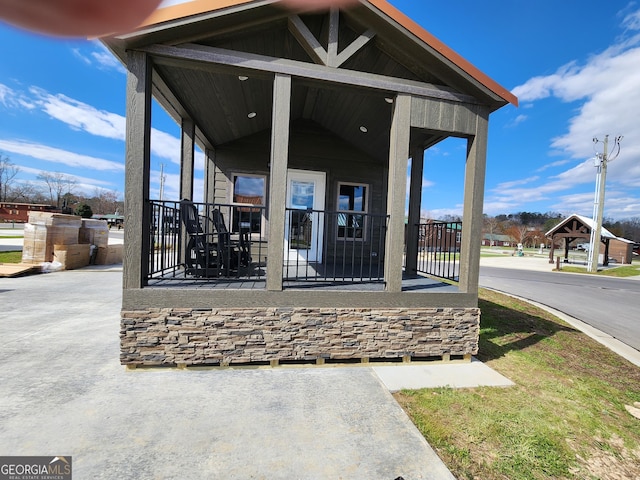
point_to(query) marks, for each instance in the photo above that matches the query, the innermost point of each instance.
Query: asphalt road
(609, 304)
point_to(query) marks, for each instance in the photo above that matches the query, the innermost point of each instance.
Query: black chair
(205, 255)
(235, 251)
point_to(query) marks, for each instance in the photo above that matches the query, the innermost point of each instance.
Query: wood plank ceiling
(228, 104)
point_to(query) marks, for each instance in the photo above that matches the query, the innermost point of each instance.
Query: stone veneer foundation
(185, 336)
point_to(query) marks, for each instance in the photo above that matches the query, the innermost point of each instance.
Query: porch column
(397, 191)
(473, 204)
(187, 144)
(187, 154)
(415, 198)
(278, 178)
(209, 175)
(137, 218)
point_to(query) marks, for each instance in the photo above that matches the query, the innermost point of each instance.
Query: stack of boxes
(68, 239)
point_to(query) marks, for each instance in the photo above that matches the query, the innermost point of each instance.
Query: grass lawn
(564, 419)
(622, 271)
(11, 257)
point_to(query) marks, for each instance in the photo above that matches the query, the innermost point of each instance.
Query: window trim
(263, 221)
(364, 212)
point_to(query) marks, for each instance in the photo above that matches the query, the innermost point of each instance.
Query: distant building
(578, 228)
(493, 240)
(19, 212)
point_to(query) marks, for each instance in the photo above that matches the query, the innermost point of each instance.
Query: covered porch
(307, 124)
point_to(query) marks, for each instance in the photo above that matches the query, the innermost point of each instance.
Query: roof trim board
(198, 7)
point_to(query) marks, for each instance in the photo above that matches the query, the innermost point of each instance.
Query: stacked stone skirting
(184, 336)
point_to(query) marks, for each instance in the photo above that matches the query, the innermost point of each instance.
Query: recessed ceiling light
(242, 78)
(363, 129)
(252, 115)
(388, 99)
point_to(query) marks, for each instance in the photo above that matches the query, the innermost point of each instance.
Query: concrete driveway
(63, 392)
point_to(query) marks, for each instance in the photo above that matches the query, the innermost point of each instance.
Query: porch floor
(410, 283)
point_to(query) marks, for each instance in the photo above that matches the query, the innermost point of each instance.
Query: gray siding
(311, 148)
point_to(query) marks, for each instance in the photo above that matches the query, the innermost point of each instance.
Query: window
(352, 208)
(248, 190)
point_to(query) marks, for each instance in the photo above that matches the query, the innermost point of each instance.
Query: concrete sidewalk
(63, 392)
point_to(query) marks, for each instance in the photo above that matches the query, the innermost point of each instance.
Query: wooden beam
(278, 179)
(137, 171)
(200, 55)
(307, 40)
(209, 175)
(396, 192)
(353, 47)
(472, 205)
(187, 155)
(334, 32)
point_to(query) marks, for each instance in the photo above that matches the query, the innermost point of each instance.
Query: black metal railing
(333, 247)
(221, 241)
(439, 249)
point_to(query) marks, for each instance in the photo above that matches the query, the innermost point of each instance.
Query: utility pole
(601, 160)
(161, 180)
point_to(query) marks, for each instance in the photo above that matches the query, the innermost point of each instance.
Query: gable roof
(214, 61)
(194, 8)
(586, 221)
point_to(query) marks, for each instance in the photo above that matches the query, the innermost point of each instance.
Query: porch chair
(236, 251)
(205, 256)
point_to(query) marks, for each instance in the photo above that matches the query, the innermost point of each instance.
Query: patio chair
(236, 251)
(205, 255)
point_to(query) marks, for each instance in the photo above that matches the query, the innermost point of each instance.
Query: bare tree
(8, 172)
(491, 227)
(104, 201)
(520, 233)
(58, 184)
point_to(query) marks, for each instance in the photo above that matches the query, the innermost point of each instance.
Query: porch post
(278, 178)
(137, 171)
(473, 205)
(209, 175)
(397, 191)
(187, 140)
(415, 198)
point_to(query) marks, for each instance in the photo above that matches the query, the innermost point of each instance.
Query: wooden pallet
(17, 269)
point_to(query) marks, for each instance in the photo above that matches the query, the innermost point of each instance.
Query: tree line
(56, 189)
(529, 228)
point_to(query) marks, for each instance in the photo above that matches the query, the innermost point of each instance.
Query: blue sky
(574, 64)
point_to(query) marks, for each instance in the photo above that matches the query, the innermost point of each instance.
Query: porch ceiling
(226, 107)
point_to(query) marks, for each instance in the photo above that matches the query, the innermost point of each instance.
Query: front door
(304, 227)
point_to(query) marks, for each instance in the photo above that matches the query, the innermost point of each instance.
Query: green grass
(11, 236)
(564, 419)
(622, 271)
(11, 257)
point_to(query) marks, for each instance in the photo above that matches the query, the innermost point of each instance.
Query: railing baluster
(438, 252)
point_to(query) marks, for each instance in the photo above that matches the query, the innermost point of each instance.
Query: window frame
(364, 212)
(263, 206)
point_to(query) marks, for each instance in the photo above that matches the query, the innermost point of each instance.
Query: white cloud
(605, 90)
(79, 115)
(99, 56)
(82, 181)
(56, 155)
(557, 163)
(6, 95)
(83, 117)
(515, 183)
